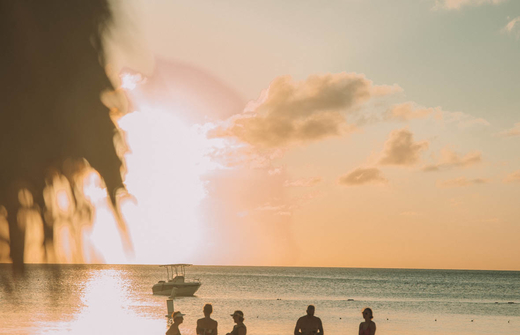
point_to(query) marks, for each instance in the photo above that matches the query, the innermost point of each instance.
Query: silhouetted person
(240, 327)
(308, 324)
(178, 318)
(368, 327)
(52, 67)
(206, 325)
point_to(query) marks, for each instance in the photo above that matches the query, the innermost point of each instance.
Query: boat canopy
(180, 270)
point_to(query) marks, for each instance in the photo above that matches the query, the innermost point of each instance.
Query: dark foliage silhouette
(52, 120)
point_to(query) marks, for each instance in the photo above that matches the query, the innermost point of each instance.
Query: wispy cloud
(232, 154)
(515, 131)
(409, 111)
(513, 27)
(361, 176)
(292, 112)
(304, 182)
(451, 159)
(463, 120)
(513, 177)
(274, 171)
(457, 4)
(461, 182)
(401, 149)
(287, 207)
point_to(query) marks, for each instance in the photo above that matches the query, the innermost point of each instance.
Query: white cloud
(400, 149)
(457, 4)
(361, 176)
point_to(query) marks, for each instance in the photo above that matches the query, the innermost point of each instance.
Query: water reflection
(106, 301)
(77, 299)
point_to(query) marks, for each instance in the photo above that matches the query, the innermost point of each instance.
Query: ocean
(117, 299)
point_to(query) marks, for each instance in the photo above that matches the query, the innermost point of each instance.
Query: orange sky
(355, 134)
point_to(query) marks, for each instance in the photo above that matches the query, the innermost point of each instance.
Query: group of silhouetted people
(311, 325)
(206, 325)
(306, 325)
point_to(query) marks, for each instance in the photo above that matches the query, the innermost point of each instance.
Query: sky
(302, 133)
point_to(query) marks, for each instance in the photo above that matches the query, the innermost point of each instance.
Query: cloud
(450, 159)
(513, 27)
(463, 120)
(306, 182)
(287, 207)
(461, 182)
(515, 131)
(457, 4)
(400, 149)
(513, 177)
(409, 111)
(361, 176)
(231, 154)
(292, 112)
(275, 171)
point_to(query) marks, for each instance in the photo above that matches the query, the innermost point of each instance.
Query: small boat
(176, 285)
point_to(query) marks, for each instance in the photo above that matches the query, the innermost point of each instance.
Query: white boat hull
(183, 289)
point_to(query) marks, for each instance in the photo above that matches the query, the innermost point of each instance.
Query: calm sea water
(117, 299)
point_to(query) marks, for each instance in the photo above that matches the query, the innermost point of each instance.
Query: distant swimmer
(368, 327)
(240, 327)
(309, 324)
(178, 318)
(206, 325)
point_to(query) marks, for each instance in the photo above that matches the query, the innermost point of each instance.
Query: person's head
(367, 313)
(208, 309)
(238, 316)
(310, 310)
(178, 317)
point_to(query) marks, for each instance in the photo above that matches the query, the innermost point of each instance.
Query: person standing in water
(240, 327)
(368, 327)
(206, 325)
(178, 318)
(309, 324)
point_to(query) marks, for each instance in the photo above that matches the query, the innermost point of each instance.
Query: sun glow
(165, 164)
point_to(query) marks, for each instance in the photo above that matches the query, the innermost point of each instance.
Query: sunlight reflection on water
(106, 300)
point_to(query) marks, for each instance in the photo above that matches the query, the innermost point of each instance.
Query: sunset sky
(307, 133)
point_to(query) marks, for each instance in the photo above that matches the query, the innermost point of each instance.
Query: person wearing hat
(240, 327)
(206, 325)
(309, 324)
(177, 317)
